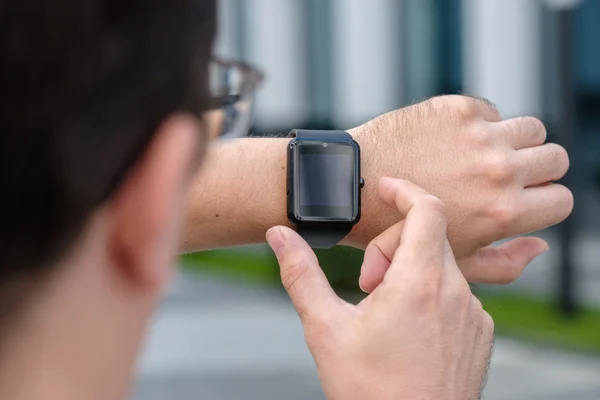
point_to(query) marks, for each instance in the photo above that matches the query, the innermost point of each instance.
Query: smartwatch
(323, 185)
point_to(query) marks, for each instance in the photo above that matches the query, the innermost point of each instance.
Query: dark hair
(83, 86)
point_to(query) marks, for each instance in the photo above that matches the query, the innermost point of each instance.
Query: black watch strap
(323, 236)
(327, 235)
(309, 134)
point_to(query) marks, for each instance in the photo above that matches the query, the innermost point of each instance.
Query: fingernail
(276, 240)
(546, 248)
(361, 288)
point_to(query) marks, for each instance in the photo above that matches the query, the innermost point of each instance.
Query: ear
(146, 214)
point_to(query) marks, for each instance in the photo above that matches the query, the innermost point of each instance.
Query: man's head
(99, 107)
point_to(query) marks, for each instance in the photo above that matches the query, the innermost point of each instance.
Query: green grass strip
(234, 264)
(539, 320)
(514, 314)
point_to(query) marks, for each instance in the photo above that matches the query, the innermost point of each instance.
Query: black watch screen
(325, 181)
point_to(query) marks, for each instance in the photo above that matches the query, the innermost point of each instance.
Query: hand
(421, 334)
(494, 177)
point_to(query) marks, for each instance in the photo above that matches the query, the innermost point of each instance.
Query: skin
(79, 336)
(421, 334)
(494, 175)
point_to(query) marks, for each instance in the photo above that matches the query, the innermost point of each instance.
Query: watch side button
(362, 182)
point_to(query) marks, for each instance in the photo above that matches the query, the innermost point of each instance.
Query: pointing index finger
(425, 225)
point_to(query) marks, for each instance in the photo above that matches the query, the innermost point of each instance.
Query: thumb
(502, 264)
(301, 274)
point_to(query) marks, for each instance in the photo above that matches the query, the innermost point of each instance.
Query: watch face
(325, 181)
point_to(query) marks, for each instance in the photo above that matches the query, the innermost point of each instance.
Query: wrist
(371, 206)
(239, 194)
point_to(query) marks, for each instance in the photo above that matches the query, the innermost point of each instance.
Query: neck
(78, 341)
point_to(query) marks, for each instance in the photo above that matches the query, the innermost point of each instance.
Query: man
(102, 132)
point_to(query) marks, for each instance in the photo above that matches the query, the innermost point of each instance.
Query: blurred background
(226, 329)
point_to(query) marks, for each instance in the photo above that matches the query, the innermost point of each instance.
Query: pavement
(214, 339)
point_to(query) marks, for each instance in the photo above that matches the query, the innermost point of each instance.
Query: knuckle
(500, 169)
(476, 306)
(466, 106)
(493, 111)
(476, 312)
(482, 136)
(487, 323)
(461, 293)
(433, 204)
(441, 101)
(535, 128)
(504, 213)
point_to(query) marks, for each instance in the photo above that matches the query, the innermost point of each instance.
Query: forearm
(238, 194)
(447, 145)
